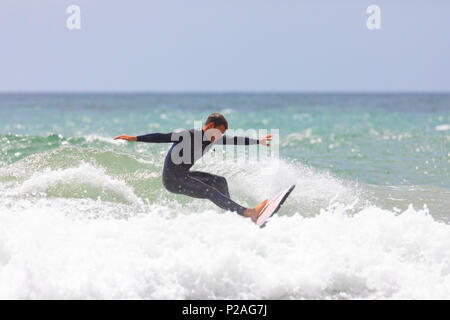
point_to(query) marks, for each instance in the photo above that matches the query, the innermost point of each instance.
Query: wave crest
(84, 181)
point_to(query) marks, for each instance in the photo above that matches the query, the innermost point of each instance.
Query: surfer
(177, 177)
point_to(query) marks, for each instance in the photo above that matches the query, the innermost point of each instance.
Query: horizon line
(215, 92)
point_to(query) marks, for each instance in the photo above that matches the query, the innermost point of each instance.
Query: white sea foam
(46, 253)
(443, 127)
(84, 180)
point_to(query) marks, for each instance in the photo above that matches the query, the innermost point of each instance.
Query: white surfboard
(273, 205)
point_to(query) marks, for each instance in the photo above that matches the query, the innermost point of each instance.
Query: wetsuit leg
(218, 182)
(193, 187)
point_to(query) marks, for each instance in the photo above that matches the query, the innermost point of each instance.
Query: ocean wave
(16, 147)
(84, 181)
(375, 253)
(81, 222)
(96, 137)
(71, 171)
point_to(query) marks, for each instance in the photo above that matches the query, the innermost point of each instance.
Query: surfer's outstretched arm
(152, 137)
(156, 137)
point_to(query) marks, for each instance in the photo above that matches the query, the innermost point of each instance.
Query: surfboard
(273, 205)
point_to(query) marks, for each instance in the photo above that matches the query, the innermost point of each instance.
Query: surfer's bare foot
(256, 211)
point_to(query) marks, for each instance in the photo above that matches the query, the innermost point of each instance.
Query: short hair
(218, 119)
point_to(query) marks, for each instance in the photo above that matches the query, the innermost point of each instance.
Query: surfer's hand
(125, 137)
(266, 140)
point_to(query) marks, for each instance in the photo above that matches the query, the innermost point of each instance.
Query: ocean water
(83, 216)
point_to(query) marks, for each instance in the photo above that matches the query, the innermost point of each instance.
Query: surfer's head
(215, 126)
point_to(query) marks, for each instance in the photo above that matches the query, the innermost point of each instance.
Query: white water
(81, 181)
(63, 246)
(375, 254)
(443, 127)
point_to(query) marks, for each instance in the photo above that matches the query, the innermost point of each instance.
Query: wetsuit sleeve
(156, 137)
(237, 140)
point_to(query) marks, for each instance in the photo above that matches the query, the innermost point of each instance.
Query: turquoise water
(372, 173)
(377, 139)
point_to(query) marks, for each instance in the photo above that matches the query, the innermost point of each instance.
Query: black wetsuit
(178, 178)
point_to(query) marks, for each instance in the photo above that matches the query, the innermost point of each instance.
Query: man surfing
(177, 177)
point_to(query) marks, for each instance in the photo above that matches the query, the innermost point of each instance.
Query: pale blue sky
(224, 45)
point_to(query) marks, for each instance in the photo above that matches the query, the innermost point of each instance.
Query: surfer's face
(212, 133)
